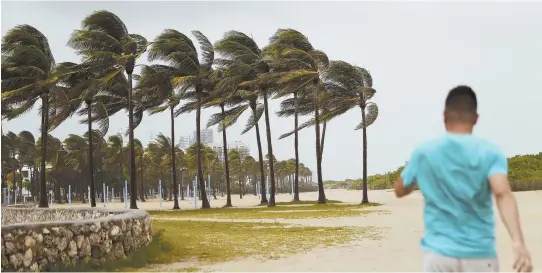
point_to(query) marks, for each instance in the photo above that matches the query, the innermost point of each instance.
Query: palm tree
(29, 73)
(352, 86)
(305, 65)
(192, 76)
(254, 69)
(156, 93)
(116, 150)
(165, 145)
(140, 150)
(27, 155)
(225, 94)
(105, 43)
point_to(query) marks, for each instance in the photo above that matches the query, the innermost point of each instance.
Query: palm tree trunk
(44, 127)
(204, 202)
(182, 185)
(133, 179)
(321, 193)
(91, 157)
(323, 138)
(296, 144)
(226, 162)
(121, 175)
(365, 195)
(262, 169)
(141, 188)
(173, 165)
(271, 202)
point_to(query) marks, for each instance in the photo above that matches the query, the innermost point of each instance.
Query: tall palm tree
(352, 86)
(254, 68)
(155, 93)
(105, 43)
(192, 76)
(29, 73)
(305, 65)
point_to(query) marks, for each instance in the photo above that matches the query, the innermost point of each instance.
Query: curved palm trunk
(91, 158)
(271, 202)
(44, 126)
(365, 196)
(141, 188)
(226, 161)
(262, 174)
(296, 144)
(173, 166)
(321, 193)
(121, 175)
(204, 201)
(133, 179)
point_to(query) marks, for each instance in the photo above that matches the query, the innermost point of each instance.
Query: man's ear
(476, 118)
(444, 116)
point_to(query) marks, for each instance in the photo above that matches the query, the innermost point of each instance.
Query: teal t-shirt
(452, 173)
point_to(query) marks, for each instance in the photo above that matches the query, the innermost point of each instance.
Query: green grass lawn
(287, 211)
(209, 242)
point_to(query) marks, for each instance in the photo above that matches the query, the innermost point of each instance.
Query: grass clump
(207, 242)
(278, 212)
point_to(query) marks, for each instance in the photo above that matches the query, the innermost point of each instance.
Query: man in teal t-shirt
(458, 174)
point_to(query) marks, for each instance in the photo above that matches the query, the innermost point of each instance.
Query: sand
(396, 250)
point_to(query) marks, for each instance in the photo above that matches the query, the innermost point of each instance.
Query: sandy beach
(396, 250)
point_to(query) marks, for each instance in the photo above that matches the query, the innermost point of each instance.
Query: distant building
(242, 147)
(219, 150)
(185, 142)
(206, 137)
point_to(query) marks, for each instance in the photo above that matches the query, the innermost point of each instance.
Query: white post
(292, 190)
(69, 195)
(195, 193)
(106, 196)
(52, 196)
(15, 195)
(88, 188)
(112, 194)
(125, 194)
(267, 191)
(187, 190)
(209, 187)
(9, 194)
(160, 192)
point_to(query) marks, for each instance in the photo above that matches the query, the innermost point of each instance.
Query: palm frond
(207, 50)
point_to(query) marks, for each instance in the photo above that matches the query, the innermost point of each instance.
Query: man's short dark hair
(462, 102)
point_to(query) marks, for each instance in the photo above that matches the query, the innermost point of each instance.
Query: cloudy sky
(415, 51)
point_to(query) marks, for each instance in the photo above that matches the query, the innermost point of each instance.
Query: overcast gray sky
(415, 51)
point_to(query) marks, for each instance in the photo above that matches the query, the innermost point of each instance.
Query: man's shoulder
(429, 145)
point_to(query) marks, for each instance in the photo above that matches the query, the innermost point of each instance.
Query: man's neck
(459, 128)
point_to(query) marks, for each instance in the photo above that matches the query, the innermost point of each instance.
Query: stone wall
(38, 239)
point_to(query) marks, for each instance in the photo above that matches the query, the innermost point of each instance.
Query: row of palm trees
(234, 75)
(68, 165)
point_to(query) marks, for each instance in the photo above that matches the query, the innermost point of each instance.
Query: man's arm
(406, 182)
(508, 208)
(401, 190)
(506, 203)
